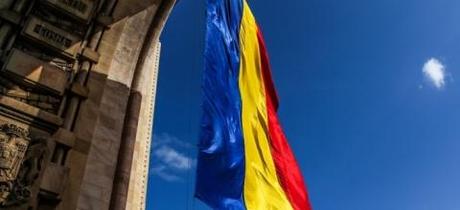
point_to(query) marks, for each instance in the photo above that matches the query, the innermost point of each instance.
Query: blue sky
(370, 101)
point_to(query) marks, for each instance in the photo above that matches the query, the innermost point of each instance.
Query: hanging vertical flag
(244, 159)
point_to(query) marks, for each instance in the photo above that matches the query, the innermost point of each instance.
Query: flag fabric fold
(244, 159)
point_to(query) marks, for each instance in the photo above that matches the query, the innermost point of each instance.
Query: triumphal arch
(77, 90)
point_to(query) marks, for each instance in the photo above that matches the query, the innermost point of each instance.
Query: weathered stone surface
(79, 90)
(55, 178)
(65, 137)
(141, 149)
(91, 55)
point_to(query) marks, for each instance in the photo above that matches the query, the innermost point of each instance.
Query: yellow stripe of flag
(262, 190)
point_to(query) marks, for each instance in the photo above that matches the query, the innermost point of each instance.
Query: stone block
(35, 72)
(55, 178)
(79, 90)
(82, 146)
(65, 137)
(90, 55)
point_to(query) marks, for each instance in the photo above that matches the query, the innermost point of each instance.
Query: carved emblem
(13, 146)
(21, 160)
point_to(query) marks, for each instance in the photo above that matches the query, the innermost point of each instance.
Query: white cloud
(435, 72)
(168, 160)
(173, 158)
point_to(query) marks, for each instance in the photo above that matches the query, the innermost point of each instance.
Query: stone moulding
(21, 112)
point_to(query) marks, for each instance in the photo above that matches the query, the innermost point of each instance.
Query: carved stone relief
(21, 161)
(30, 96)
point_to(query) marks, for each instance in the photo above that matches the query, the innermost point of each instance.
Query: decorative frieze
(46, 102)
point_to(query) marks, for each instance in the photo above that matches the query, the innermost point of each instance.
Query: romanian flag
(244, 159)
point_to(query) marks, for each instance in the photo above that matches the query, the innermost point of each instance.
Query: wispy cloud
(168, 139)
(435, 72)
(169, 159)
(162, 172)
(172, 158)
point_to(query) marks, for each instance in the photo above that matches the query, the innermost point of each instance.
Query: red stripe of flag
(286, 165)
